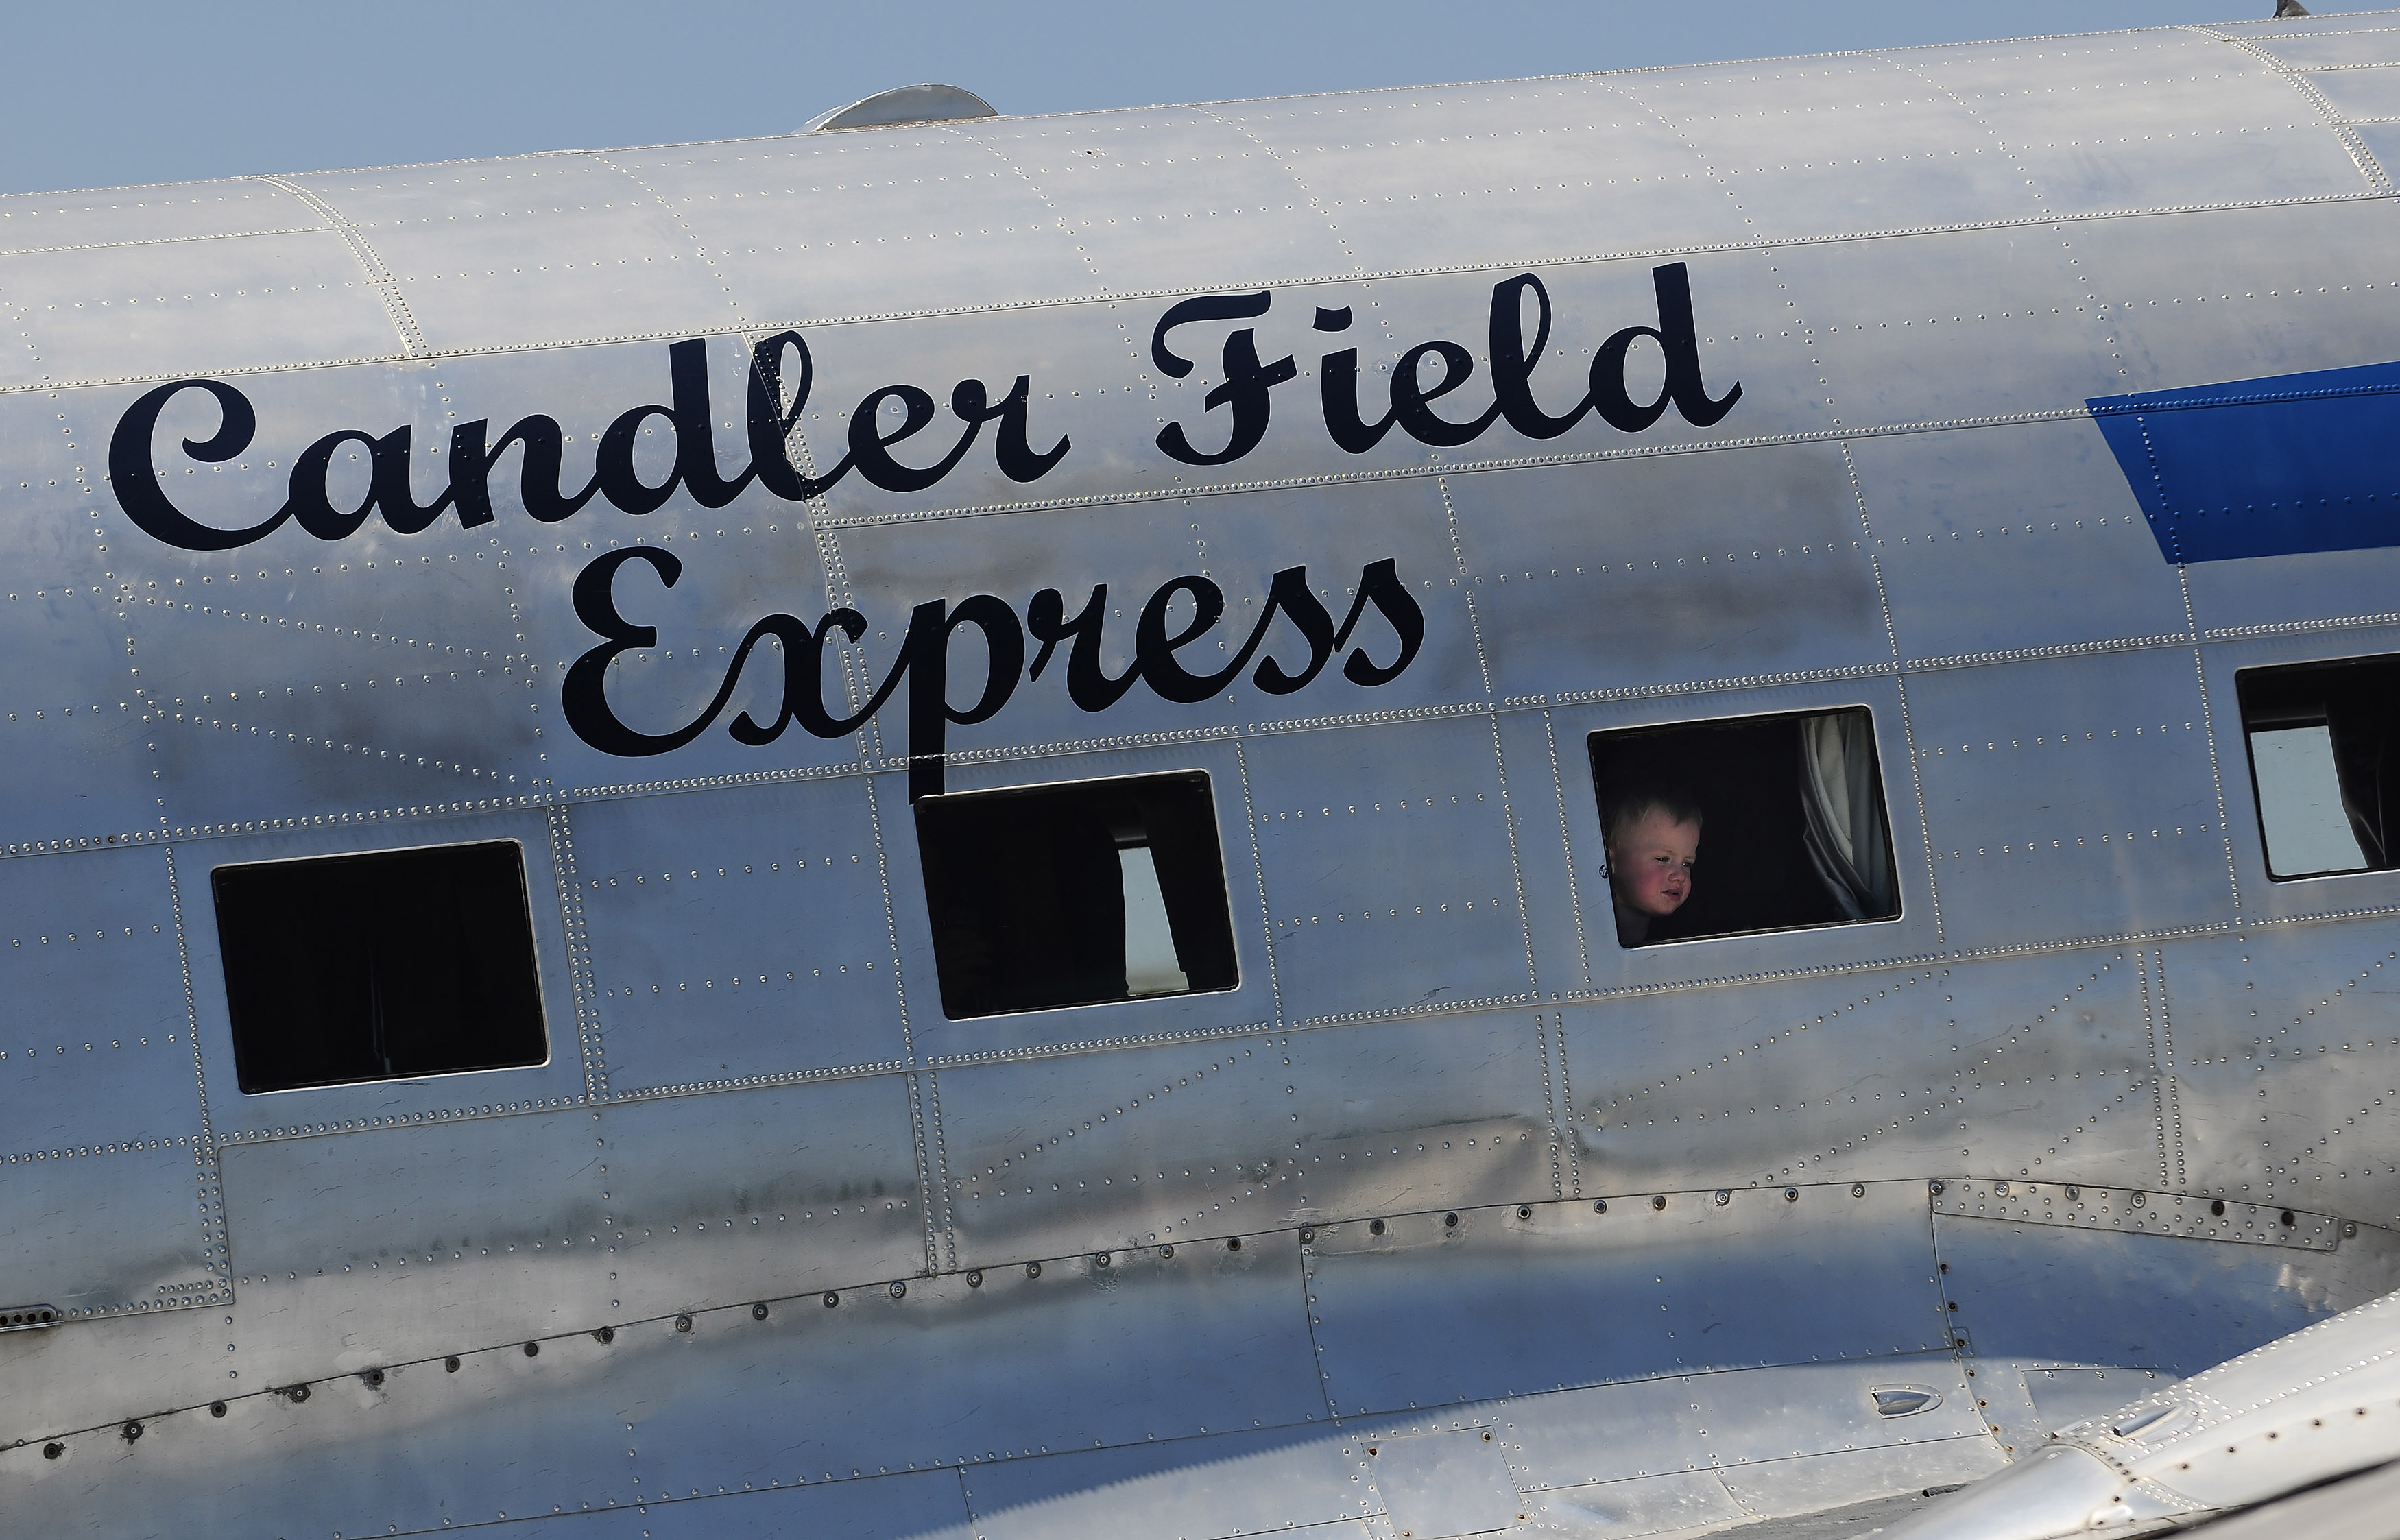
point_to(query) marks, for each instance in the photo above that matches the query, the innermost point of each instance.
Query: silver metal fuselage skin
(1707, 1195)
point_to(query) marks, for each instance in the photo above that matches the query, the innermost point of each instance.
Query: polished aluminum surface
(770, 1245)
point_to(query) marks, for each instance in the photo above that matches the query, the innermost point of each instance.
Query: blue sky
(102, 94)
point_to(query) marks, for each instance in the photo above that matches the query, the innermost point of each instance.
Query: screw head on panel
(1524, 1211)
(1307, 1235)
(1791, 1194)
(1033, 1270)
(1450, 1221)
(216, 1409)
(899, 1289)
(1233, 1243)
(831, 1299)
(131, 1431)
(1100, 1258)
(2349, 1229)
(1375, 1227)
(1858, 1190)
(374, 1379)
(533, 1350)
(1723, 1197)
(52, 1452)
(683, 1323)
(605, 1335)
(2141, 1200)
(1167, 1250)
(758, 1311)
(1658, 1201)
(975, 1279)
(451, 1363)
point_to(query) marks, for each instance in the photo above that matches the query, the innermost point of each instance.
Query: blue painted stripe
(2268, 467)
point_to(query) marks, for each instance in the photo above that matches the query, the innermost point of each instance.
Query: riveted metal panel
(537, 249)
(1787, 1488)
(2076, 1295)
(1889, 317)
(2266, 291)
(1690, 1504)
(922, 1506)
(2286, 1065)
(1872, 1075)
(2088, 779)
(100, 1047)
(1838, 144)
(2348, 47)
(1411, 179)
(266, 301)
(67, 716)
(2062, 1398)
(1244, 1482)
(810, 1187)
(505, 1436)
(1566, 910)
(114, 1229)
(375, 1248)
(1167, 199)
(88, 1377)
(2355, 92)
(144, 215)
(865, 223)
(2156, 119)
(1995, 539)
(1217, 1334)
(1385, 1342)
(2355, 586)
(1405, 878)
(692, 992)
(1597, 578)
(1209, 1139)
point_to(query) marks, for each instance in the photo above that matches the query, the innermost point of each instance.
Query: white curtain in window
(1846, 834)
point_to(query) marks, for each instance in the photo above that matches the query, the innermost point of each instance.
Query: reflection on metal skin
(1392, 466)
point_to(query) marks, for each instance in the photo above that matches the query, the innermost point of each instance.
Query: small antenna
(2289, 7)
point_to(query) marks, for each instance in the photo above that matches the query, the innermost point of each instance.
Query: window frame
(1214, 825)
(2241, 710)
(534, 959)
(1592, 742)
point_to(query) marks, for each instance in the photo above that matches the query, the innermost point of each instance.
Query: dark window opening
(380, 967)
(1075, 895)
(2324, 761)
(1759, 823)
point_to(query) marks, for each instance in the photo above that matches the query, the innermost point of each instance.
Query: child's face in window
(1652, 862)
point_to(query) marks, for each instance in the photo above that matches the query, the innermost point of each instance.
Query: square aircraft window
(1075, 895)
(2325, 759)
(389, 966)
(1755, 823)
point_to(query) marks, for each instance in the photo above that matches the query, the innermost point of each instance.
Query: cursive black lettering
(1410, 397)
(1246, 381)
(870, 446)
(471, 463)
(1380, 585)
(1677, 336)
(1513, 358)
(134, 477)
(1337, 386)
(1088, 684)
